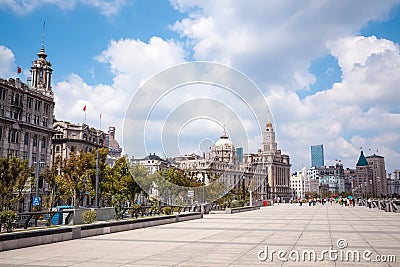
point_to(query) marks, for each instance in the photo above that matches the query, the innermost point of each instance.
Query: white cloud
(7, 66)
(275, 43)
(271, 40)
(106, 7)
(131, 61)
(362, 108)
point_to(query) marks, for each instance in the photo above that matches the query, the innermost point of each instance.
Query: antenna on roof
(44, 24)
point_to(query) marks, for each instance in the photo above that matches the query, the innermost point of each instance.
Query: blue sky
(329, 71)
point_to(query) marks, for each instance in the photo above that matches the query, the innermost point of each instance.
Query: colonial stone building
(70, 137)
(266, 174)
(26, 114)
(370, 177)
(362, 182)
(379, 179)
(114, 150)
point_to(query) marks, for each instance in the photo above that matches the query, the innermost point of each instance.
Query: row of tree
(72, 181)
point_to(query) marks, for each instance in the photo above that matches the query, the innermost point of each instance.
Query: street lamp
(37, 171)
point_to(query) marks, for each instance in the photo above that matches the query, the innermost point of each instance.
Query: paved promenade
(243, 239)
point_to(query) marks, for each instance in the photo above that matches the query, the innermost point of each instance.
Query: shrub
(167, 210)
(155, 207)
(8, 217)
(136, 210)
(89, 216)
(178, 209)
(235, 204)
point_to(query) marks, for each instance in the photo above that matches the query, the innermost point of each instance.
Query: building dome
(223, 141)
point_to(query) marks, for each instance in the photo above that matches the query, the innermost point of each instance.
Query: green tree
(114, 185)
(119, 184)
(75, 171)
(14, 174)
(78, 174)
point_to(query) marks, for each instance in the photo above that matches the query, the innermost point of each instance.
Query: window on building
(40, 76)
(3, 93)
(38, 103)
(25, 156)
(58, 148)
(46, 108)
(58, 135)
(29, 101)
(13, 136)
(1, 133)
(26, 139)
(28, 117)
(35, 140)
(36, 120)
(45, 122)
(15, 99)
(43, 142)
(34, 157)
(17, 115)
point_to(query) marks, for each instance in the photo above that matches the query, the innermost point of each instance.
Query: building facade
(266, 174)
(26, 122)
(70, 137)
(333, 177)
(379, 179)
(26, 114)
(114, 150)
(394, 184)
(363, 183)
(317, 156)
(370, 179)
(152, 162)
(298, 181)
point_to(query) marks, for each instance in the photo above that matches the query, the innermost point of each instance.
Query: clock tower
(269, 145)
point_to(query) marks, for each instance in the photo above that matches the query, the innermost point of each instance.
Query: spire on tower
(42, 53)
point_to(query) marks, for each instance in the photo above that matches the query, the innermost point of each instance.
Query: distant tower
(269, 145)
(317, 156)
(41, 71)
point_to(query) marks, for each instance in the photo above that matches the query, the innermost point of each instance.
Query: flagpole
(100, 121)
(84, 110)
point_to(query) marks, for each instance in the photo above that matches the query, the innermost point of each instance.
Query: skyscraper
(317, 156)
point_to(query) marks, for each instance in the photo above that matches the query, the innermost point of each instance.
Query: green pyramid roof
(362, 161)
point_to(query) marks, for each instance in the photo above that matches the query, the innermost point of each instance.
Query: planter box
(50, 235)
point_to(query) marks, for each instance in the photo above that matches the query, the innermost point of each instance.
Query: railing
(388, 205)
(27, 218)
(150, 211)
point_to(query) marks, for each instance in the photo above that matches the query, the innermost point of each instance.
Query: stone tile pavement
(329, 235)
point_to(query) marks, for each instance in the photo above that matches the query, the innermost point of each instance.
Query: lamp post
(97, 179)
(37, 172)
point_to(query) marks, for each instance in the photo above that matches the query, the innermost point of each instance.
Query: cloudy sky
(329, 70)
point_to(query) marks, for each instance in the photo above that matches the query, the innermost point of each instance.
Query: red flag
(19, 70)
(84, 108)
(100, 116)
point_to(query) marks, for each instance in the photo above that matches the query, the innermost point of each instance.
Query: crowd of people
(343, 201)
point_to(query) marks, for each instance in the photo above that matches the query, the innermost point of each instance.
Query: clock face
(266, 136)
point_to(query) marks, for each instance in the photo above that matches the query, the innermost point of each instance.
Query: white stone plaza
(280, 235)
